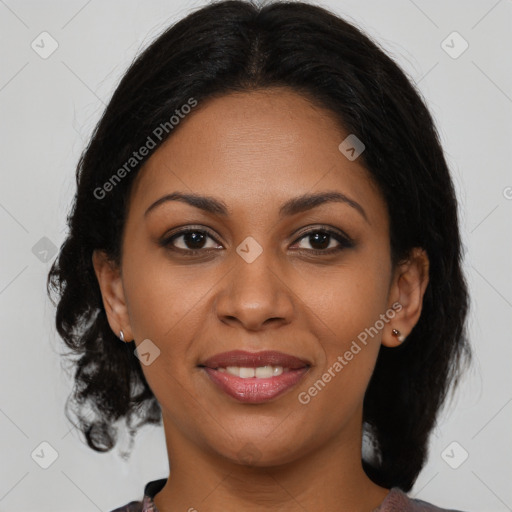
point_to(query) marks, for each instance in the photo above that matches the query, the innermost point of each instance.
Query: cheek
(346, 306)
(347, 300)
(162, 300)
(167, 307)
(346, 313)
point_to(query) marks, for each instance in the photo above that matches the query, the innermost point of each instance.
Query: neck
(329, 479)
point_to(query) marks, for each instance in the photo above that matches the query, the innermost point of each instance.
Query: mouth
(255, 377)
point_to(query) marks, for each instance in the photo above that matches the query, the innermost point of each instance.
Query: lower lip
(254, 390)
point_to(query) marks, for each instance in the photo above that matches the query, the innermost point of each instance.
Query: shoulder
(398, 501)
(146, 505)
(133, 506)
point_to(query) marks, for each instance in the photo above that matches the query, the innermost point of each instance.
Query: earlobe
(111, 286)
(408, 289)
(399, 336)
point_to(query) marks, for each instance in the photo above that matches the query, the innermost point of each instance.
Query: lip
(255, 359)
(255, 390)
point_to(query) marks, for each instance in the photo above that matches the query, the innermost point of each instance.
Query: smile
(255, 377)
(262, 372)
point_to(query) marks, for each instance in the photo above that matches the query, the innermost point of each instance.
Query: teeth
(262, 372)
(246, 373)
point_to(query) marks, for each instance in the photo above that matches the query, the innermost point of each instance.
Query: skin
(254, 151)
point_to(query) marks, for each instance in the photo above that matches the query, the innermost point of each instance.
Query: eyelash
(345, 242)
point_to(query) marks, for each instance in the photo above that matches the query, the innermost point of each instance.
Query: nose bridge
(256, 279)
(254, 291)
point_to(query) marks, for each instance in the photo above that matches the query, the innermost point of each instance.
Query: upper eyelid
(185, 230)
(327, 229)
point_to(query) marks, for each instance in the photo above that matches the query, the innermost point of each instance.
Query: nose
(255, 296)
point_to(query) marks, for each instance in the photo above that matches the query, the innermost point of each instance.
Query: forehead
(256, 147)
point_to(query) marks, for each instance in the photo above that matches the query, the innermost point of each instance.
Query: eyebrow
(291, 207)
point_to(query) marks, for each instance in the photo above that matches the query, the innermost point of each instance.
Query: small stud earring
(398, 334)
(121, 335)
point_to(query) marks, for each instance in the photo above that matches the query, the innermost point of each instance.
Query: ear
(112, 292)
(408, 287)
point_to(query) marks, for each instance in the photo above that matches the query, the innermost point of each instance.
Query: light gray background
(48, 108)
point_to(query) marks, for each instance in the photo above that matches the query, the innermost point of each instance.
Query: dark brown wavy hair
(237, 46)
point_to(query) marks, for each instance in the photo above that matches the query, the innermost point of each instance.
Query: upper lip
(254, 360)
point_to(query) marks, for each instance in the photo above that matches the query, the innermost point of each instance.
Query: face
(258, 271)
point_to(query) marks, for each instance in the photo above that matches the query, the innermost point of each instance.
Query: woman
(264, 254)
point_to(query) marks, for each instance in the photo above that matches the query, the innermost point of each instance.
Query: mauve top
(395, 501)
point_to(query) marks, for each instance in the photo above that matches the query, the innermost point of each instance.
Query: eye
(323, 241)
(191, 240)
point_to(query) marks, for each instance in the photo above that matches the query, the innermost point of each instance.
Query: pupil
(194, 240)
(321, 239)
